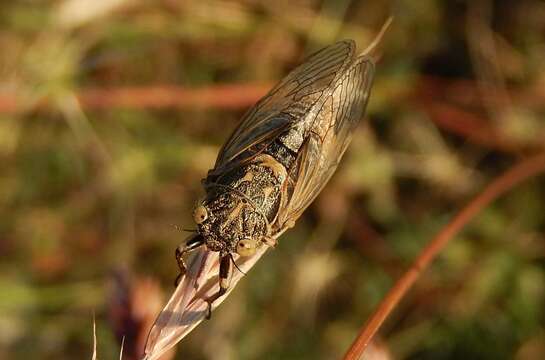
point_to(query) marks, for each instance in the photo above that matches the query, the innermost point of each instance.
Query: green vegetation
(91, 190)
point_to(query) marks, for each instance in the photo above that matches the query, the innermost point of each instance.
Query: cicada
(281, 155)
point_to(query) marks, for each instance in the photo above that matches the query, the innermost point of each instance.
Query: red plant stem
(229, 96)
(518, 173)
(428, 92)
(471, 127)
(235, 96)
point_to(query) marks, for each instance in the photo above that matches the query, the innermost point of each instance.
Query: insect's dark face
(228, 224)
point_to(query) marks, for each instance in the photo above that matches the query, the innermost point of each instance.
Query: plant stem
(518, 173)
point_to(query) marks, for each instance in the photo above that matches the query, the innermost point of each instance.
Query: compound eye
(246, 247)
(200, 214)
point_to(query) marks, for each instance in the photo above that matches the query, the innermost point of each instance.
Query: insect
(280, 157)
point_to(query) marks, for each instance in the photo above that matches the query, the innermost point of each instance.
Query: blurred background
(112, 111)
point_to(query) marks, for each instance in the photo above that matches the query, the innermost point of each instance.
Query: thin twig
(518, 173)
(238, 96)
(471, 127)
(428, 90)
(229, 96)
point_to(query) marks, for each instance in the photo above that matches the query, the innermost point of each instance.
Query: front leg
(226, 273)
(269, 241)
(192, 244)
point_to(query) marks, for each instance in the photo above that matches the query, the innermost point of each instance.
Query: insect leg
(226, 272)
(193, 243)
(269, 241)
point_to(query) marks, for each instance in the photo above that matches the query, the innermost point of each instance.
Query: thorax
(243, 202)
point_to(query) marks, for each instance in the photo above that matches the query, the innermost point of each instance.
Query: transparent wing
(287, 102)
(327, 138)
